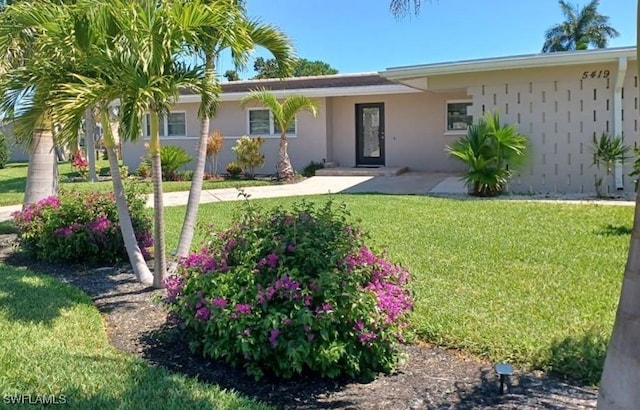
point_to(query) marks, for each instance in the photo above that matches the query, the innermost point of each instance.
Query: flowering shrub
(79, 162)
(81, 227)
(288, 292)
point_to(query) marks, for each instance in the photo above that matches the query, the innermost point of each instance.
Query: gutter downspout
(617, 115)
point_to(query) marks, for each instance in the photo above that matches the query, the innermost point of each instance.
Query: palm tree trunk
(89, 142)
(619, 384)
(188, 226)
(139, 265)
(285, 170)
(42, 174)
(159, 257)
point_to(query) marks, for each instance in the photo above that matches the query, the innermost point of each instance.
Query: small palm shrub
(492, 152)
(233, 169)
(249, 155)
(287, 292)
(215, 143)
(81, 227)
(4, 151)
(607, 151)
(171, 159)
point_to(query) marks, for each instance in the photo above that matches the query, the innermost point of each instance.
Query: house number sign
(595, 74)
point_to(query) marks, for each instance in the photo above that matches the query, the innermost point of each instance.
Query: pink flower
(243, 309)
(219, 302)
(273, 337)
(202, 314)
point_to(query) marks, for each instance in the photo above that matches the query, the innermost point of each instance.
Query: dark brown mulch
(432, 378)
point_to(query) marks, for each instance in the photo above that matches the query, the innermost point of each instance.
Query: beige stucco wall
(308, 144)
(414, 130)
(560, 112)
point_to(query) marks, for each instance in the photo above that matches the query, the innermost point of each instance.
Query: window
(458, 116)
(174, 125)
(261, 123)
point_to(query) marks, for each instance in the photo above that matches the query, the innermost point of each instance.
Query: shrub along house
(406, 116)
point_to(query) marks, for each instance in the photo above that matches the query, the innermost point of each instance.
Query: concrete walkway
(410, 183)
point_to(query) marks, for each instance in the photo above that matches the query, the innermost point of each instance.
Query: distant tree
(304, 68)
(231, 75)
(581, 28)
(265, 68)
(301, 68)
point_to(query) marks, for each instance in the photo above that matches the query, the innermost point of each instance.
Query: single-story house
(406, 116)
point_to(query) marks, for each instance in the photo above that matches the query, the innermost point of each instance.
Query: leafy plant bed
(431, 377)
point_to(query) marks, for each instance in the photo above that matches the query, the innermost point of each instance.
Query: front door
(370, 134)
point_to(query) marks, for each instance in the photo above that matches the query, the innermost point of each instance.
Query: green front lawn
(535, 284)
(13, 180)
(53, 343)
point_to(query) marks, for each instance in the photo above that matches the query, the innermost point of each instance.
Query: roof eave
(506, 63)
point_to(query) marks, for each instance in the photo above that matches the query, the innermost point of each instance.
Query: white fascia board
(512, 62)
(315, 92)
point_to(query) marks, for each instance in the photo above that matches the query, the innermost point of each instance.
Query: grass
(13, 180)
(53, 344)
(534, 284)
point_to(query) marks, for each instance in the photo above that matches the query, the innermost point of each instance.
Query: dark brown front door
(370, 134)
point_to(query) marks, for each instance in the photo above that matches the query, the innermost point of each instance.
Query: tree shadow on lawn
(615, 230)
(35, 299)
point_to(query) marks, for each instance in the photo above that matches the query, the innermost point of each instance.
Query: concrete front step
(362, 171)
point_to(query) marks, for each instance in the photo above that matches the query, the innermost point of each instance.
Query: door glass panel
(371, 132)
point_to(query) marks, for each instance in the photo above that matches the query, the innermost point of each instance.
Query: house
(406, 116)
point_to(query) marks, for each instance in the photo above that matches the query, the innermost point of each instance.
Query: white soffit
(315, 92)
(418, 72)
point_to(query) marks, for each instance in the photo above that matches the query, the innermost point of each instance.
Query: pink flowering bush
(80, 227)
(286, 292)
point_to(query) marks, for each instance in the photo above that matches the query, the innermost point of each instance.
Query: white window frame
(272, 133)
(165, 126)
(448, 131)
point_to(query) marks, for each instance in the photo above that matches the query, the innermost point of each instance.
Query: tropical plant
(491, 151)
(233, 169)
(238, 33)
(582, 27)
(284, 115)
(4, 151)
(172, 158)
(249, 155)
(81, 227)
(607, 152)
(289, 291)
(215, 143)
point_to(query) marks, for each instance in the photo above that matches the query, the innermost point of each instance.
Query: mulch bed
(432, 378)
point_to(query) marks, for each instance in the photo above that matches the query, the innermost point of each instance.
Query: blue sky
(362, 35)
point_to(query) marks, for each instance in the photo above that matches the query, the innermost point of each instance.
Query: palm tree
(284, 114)
(491, 151)
(20, 44)
(240, 35)
(581, 28)
(54, 70)
(618, 385)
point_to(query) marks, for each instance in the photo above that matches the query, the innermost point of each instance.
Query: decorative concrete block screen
(561, 110)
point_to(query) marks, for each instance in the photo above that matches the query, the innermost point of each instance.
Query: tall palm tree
(582, 27)
(619, 382)
(62, 71)
(240, 35)
(284, 114)
(20, 44)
